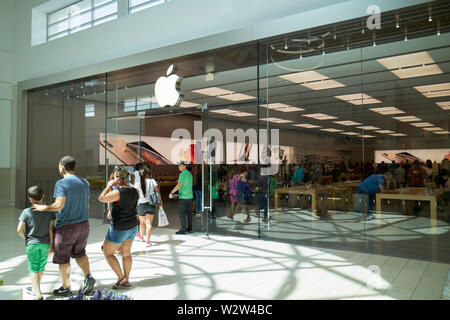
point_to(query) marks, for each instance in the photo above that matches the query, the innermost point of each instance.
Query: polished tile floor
(228, 267)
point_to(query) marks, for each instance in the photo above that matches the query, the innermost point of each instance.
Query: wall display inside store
(410, 155)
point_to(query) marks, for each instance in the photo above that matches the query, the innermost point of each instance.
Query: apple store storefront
(308, 115)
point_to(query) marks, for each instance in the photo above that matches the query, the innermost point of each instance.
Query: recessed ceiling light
(358, 99)
(368, 128)
(407, 118)
(398, 134)
(445, 105)
(347, 123)
(435, 90)
(187, 104)
(224, 111)
(441, 132)
(276, 106)
(242, 114)
(290, 109)
(312, 80)
(332, 130)
(385, 131)
(366, 136)
(276, 120)
(351, 133)
(319, 116)
(422, 124)
(433, 129)
(236, 97)
(411, 65)
(213, 91)
(387, 110)
(307, 125)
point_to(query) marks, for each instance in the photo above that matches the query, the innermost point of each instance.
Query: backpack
(233, 185)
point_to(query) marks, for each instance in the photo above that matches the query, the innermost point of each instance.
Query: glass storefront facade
(307, 116)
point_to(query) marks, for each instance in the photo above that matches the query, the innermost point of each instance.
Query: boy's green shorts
(37, 255)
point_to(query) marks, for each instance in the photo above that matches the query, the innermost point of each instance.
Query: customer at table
(298, 178)
(367, 190)
(400, 176)
(417, 175)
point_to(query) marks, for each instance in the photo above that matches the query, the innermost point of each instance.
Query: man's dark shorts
(70, 242)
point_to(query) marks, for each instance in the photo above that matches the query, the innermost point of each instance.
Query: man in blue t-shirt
(72, 227)
(366, 192)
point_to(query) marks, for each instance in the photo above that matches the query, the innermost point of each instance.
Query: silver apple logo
(167, 89)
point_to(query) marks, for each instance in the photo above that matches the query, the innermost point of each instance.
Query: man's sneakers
(180, 232)
(63, 292)
(88, 284)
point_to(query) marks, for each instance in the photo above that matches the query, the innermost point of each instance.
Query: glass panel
(59, 27)
(105, 11)
(77, 115)
(139, 5)
(58, 35)
(316, 158)
(80, 7)
(105, 20)
(58, 15)
(412, 214)
(79, 20)
(100, 2)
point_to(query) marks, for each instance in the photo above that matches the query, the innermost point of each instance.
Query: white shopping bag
(162, 218)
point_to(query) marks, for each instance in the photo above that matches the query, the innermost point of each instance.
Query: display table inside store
(304, 190)
(96, 182)
(415, 194)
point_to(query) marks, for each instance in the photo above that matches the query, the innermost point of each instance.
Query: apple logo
(167, 89)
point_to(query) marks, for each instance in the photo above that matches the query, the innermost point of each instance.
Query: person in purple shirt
(366, 193)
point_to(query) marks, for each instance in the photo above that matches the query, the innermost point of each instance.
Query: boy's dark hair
(35, 193)
(68, 162)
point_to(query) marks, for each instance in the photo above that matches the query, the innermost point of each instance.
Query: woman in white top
(147, 206)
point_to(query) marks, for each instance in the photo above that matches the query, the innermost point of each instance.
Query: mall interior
(341, 89)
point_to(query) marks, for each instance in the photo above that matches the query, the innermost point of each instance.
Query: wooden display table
(298, 191)
(415, 194)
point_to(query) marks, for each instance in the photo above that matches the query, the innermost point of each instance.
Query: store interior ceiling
(337, 79)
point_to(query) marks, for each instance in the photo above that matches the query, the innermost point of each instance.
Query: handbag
(154, 196)
(162, 218)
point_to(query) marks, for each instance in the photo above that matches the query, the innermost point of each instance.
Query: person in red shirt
(416, 175)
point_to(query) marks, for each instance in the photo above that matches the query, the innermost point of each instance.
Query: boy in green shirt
(36, 228)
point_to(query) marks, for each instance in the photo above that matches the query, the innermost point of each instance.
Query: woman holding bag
(149, 200)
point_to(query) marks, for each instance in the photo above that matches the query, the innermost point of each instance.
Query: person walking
(124, 225)
(72, 227)
(244, 193)
(149, 201)
(184, 187)
(37, 231)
